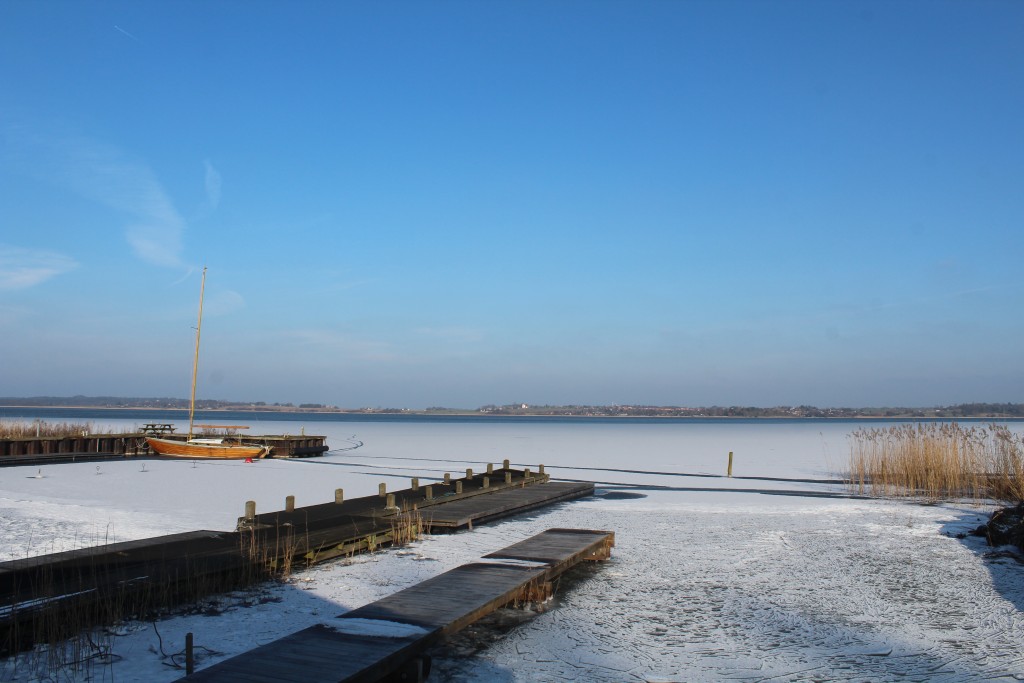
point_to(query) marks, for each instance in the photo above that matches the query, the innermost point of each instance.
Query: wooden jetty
(45, 450)
(437, 607)
(138, 576)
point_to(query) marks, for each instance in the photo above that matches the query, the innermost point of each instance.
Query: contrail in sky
(126, 33)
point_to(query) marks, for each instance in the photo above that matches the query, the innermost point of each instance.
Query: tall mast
(195, 362)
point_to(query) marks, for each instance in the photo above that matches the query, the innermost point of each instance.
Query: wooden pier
(46, 450)
(435, 608)
(137, 576)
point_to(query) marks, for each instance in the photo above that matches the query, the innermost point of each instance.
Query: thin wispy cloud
(342, 344)
(107, 175)
(223, 302)
(213, 185)
(464, 335)
(23, 268)
(122, 31)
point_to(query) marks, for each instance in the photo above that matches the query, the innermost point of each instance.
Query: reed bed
(23, 429)
(935, 461)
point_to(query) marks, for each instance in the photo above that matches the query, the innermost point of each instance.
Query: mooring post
(447, 478)
(250, 510)
(190, 661)
(508, 477)
(391, 507)
(339, 496)
(469, 473)
(490, 468)
(415, 483)
(430, 492)
(729, 472)
(526, 473)
(540, 468)
(289, 504)
(458, 486)
(382, 490)
(504, 464)
(487, 482)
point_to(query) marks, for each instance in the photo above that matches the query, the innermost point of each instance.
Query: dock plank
(462, 513)
(439, 606)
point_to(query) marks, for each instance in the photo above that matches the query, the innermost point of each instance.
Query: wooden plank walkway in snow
(168, 570)
(388, 637)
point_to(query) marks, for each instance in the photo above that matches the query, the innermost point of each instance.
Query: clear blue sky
(410, 204)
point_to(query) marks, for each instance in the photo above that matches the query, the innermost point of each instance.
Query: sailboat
(220, 448)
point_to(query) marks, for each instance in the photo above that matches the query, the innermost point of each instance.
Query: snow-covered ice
(702, 584)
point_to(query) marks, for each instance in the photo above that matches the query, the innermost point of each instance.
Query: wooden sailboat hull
(183, 449)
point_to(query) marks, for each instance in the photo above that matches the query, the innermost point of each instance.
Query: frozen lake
(731, 583)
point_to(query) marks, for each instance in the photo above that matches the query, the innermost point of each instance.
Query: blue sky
(451, 203)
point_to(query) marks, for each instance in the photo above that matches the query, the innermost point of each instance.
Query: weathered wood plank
(439, 606)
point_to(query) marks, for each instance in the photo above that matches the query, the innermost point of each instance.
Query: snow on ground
(702, 585)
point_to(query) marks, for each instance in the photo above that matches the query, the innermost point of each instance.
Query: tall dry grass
(24, 429)
(935, 461)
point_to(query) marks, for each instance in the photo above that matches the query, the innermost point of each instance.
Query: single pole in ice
(729, 472)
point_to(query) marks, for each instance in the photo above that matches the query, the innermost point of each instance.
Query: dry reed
(23, 429)
(934, 461)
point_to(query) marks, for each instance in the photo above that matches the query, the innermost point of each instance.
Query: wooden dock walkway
(181, 568)
(45, 450)
(435, 608)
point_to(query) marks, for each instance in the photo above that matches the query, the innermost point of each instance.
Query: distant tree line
(995, 410)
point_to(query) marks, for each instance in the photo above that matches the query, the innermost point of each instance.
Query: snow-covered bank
(701, 586)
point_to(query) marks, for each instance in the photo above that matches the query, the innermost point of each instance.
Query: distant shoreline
(474, 414)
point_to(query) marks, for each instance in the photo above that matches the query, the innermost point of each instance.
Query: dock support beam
(339, 496)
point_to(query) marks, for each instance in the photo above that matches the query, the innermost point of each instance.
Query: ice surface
(702, 584)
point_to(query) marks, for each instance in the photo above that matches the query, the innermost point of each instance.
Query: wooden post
(339, 496)
(540, 468)
(487, 482)
(382, 490)
(415, 484)
(729, 472)
(458, 486)
(490, 468)
(469, 473)
(504, 464)
(447, 478)
(526, 473)
(391, 503)
(250, 510)
(289, 504)
(430, 492)
(508, 477)
(190, 660)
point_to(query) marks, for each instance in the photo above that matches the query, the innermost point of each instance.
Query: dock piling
(382, 490)
(447, 478)
(729, 471)
(508, 477)
(415, 484)
(490, 468)
(469, 473)
(487, 482)
(289, 504)
(339, 496)
(430, 492)
(504, 464)
(250, 510)
(540, 469)
(458, 486)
